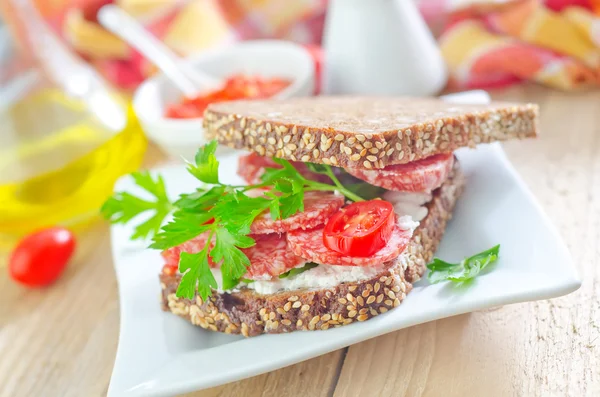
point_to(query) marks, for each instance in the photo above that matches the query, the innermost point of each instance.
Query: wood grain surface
(61, 341)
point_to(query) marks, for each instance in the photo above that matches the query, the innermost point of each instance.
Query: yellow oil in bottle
(58, 164)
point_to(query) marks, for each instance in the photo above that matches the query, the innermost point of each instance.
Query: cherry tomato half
(40, 258)
(360, 229)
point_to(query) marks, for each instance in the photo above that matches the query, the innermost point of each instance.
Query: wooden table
(62, 341)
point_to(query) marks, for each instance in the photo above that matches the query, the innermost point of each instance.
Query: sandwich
(344, 204)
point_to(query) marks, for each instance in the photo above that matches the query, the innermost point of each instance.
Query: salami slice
(252, 166)
(270, 257)
(318, 207)
(419, 176)
(309, 245)
(171, 255)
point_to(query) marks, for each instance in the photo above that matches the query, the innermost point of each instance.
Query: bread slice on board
(248, 313)
(364, 132)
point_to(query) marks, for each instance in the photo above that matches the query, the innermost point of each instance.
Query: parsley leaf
(122, 207)
(466, 270)
(196, 275)
(184, 227)
(226, 249)
(206, 167)
(201, 199)
(236, 211)
(297, 270)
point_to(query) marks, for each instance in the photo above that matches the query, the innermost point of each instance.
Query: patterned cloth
(486, 43)
(551, 42)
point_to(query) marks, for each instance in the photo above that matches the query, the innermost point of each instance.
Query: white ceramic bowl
(266, 58)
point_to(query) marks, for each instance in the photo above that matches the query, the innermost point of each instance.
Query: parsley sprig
(463, 271)
(220, 212)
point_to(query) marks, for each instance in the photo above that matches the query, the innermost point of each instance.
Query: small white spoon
(189, 81)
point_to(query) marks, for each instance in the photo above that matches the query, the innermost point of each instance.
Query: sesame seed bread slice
(364, 132)
(248, 313)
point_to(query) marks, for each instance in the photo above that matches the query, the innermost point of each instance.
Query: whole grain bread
(248, 313)
(364, 132)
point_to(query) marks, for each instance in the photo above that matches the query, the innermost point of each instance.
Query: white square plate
(160, 354)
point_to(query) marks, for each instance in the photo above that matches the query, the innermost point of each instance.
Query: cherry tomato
(360, 229)
(40, 258)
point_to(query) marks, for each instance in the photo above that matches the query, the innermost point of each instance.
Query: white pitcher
(380, 47)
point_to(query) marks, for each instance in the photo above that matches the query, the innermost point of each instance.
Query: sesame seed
(350, 297)
(365, 292)
(374, 150)
(360, 300)
(315, 320)
(268, 127)
(343, 301)
(371, 158)
(352, 313)
(287, 138)
(355, 157)
(396, 288)
(351, 141)
(391, 295)
(316, 154)
(297, 304)
(352, 288)
(272, 140)
(326, 317)
(339, 137)
(363, 311)
(368, 145)
(305, 158)
(350, 308)
(286, 322)
(382, 310)
(379, 298)
(373, 312)
(377, 286)
(388, 281)
(360, 137)
(324, 327)
(311, 326)
(362, 317)
(363, 152)
(370, 299)
(396, 302)
(388, 302)
(299, 323)
(280, 311)
(304, 308)
(311, 146)
(366, 164)
(272, 316)
(243, 123)
(335, 316)
(287, 306)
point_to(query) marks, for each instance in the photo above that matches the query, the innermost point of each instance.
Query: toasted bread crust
(248, 313)
(363, 132)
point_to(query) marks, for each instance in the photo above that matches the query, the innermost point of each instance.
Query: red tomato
(360, 229)
(40, 258)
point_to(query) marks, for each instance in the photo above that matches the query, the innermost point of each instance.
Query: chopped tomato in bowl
(237, 86)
